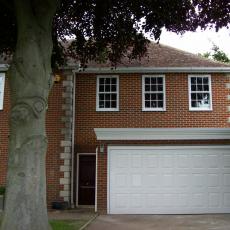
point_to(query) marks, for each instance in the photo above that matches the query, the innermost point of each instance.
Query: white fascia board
(145, 70)
(4, 67)
(162, 133)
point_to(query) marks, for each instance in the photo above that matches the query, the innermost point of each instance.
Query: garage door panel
(156, 181)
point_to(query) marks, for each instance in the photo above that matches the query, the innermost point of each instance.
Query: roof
(159, 55)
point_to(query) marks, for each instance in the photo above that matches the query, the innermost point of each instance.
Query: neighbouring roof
(159, 55)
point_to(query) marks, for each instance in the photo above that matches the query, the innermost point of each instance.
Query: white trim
(172, 147)
(108, 179)
(96, 180)
(97, 92)
(162, 133)
(4, 67)
(144, 70)
(2, 87)
(189, 91)
(143, 94)
(77, 187)
(72, 139)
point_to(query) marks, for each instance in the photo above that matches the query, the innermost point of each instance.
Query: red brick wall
(54, 125)
(130, 115)
(177, 114)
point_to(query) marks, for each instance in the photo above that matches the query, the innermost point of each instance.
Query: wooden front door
(86, 181)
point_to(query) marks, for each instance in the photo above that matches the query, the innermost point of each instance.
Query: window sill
(153, 110)
(107, 110)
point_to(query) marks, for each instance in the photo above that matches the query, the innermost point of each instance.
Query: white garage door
(168, 180)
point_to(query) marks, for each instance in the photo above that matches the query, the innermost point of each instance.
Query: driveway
(161, 222)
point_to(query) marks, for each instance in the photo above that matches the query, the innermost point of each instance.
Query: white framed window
(200, 92)
(107, 93)
(153, 93)
(2, 86)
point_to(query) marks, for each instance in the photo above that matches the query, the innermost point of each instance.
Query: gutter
(73, 138)
(108, 70)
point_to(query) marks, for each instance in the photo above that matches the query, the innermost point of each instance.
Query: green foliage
(107, 29)
(216, 54)
(67, 224)
(219, 55)
(2, 190)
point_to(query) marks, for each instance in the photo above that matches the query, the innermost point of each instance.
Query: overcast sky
(198, 42)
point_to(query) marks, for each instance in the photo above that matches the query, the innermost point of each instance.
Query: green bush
(2, 190)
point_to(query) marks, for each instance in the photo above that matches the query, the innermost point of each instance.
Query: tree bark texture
(30, 83)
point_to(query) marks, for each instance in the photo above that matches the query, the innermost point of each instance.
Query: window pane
(160, 80)
(113, 97)
(160, 96)
(101, 88)
(153, 96)
(107, 97)
(160, 87)
(147, 87)
(147, 96)
(193, 87)
(205, 80)
(107, 81)
(153, 80)
(194, 104)
(199, 80)
(113, 104)
(107, 104)
(206, 87)
(200, 96)
(153, 88)
(113, 88)
(199, 88)
(114, 81)
(101, 97)
(101, 104)
(160, 104)
(107, 88)
(147, 104)
(193, 96)
(193, 80)
(153, 104)
(101, 81)
(147, 80)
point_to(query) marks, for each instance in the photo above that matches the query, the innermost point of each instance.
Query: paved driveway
(161, 222)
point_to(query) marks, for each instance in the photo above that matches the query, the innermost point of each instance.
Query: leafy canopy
(108, 29)
(217, 54)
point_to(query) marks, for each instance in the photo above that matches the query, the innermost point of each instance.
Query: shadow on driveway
(161, 222)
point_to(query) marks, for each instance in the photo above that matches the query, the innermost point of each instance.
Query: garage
(168, 179)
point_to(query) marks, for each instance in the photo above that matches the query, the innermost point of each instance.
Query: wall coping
(162, 133)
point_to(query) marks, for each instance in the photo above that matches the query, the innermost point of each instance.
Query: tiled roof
(159, 55)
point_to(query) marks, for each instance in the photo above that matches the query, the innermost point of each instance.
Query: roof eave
(117, 70)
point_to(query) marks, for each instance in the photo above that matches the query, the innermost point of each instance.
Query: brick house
(150, 136)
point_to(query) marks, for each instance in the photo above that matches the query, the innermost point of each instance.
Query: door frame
(77, 184)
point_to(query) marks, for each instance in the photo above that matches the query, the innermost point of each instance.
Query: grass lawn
(67, 224)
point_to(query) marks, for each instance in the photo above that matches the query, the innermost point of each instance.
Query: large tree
(34, 33)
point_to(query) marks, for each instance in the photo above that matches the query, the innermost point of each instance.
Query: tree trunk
(30, 83)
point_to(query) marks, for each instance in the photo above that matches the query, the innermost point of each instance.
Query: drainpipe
(73, 142)
(96, 180)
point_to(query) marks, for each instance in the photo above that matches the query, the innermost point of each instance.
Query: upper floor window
(200, 96)
(2, 85)
(107, 93)
(153, 93)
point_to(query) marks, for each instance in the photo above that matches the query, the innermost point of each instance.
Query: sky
(198, 42)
